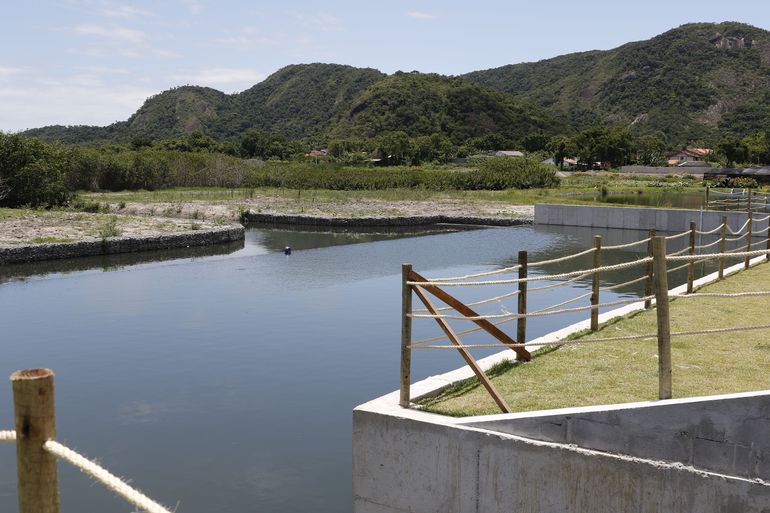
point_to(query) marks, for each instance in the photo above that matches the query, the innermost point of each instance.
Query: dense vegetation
(683, 86)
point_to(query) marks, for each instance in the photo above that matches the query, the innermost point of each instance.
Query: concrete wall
(723, 434)
(39, 252)
(663, 171)
(296, 219)
(661, 219)
(408, 463)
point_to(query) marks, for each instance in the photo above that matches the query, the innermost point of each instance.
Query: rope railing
(710, 232)
(37, 450)
(705, 246)
(740, 230)
(626, 246)
(559, 283)
(539, 313)
(114, 483)
(476, 303)
(677, 235)
(561, 259)
(616, 267)
(626, 283)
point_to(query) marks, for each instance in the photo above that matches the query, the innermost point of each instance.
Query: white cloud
(236, 78)
(324, 21)
(419, 15)
(70, 102)
(247, 37)
(8, 72)
(112, 32)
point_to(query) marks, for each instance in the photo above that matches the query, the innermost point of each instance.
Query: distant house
(508, 153)
(568, 163)
(317, 153)
(689, 155)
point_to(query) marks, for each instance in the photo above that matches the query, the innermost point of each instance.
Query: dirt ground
(226, 210)
(23, 227)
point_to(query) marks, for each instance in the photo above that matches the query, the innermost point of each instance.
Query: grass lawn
(616, 372)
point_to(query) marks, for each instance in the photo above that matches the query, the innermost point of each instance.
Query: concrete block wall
(418, 464)
(665, 220)
(723, 434)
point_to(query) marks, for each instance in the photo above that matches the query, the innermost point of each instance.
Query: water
(225, 381)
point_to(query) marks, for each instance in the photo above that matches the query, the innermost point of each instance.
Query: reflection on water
(226, 382)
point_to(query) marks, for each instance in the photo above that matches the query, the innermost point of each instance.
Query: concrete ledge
(252, 217)
(693, 455)
(661, 219)
(39, 252)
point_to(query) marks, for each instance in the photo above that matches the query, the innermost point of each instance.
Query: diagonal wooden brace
(472, 363)
(521, 353)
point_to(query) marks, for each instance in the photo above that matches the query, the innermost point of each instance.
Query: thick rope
(563, 303)
(704, 246)
(558, 284)
(761, 219)
(539, 313)
(459, 333)
(760, 241)
(477, 303)
(677, 268)
(600, 340)
(606, 268)
(740, 230)
(733, 239)
(715, 230)
(109, 480)
(726, 254)
(672, 237)
(719, 294)
(479, 275)
(7, 437)
(681, 251)
(629, 245)
(561, 259)
(626, 284)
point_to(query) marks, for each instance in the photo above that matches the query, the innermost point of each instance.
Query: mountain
(295, 101)
(424, 104)
(686, 84)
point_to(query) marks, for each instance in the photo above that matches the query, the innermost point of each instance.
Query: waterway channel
(223, 380)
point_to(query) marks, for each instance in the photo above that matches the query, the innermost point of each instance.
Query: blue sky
(95, 61)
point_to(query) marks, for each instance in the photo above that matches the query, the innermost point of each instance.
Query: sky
(93, 62)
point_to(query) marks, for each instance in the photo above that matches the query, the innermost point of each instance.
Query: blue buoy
(287, 250)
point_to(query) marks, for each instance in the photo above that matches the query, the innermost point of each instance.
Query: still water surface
(223, 380)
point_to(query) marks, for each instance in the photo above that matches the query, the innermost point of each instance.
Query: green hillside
(684, 84)
(424, 104)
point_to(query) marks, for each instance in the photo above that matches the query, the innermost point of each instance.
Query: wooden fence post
(750, 227)
(664, 326)
(406, 336)
(521, 322)
(35, 420)
(723, 236)
(691, 265)
(751, 191)
(707, 197)
(649, 283)
(595, 282)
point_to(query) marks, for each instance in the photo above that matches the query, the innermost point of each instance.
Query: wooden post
(521, 322)
(691, 265)
(406, 336)
(723, 236)
(707, 197)
(595, 282)
(649, 283)
(35, 419)
(751, 193)
(664, 326)
(750, 227)
(767, 234)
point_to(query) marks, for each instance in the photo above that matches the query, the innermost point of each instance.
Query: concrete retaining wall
(253, 217)
(663, 171)
(724, 434)
(661, 219)
(421, 465)
(39, 252)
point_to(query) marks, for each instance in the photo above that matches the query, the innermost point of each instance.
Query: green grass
(51, 240)
(604, 373)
